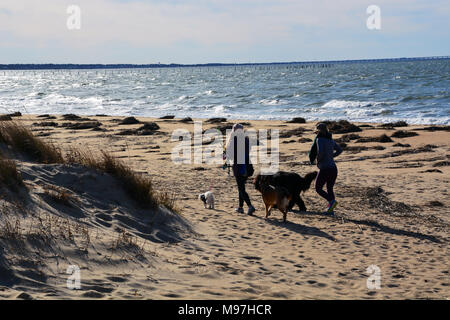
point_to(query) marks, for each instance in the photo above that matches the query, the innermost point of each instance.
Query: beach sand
(393, 213)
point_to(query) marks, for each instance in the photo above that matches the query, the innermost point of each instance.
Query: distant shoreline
(325, 63)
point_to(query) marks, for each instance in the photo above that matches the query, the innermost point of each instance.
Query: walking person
(238, 149)
(324, 150)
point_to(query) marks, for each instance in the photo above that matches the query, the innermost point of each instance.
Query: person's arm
(338, 149)
(229, 148)
(320, 148)
(313, 152)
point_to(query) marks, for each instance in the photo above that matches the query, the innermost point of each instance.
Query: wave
(38, 95)
(270, 102)
(185, 97)
(427, 97)
(366, 93)
(344, 104)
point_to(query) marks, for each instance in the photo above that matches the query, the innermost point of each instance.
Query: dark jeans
(243, 195)
(328, 176)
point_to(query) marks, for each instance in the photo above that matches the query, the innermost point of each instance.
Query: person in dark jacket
(239, 152)
(324, 150)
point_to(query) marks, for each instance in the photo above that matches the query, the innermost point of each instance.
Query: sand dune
(393, 213)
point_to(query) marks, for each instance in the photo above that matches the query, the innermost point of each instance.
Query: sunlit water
(417, 92)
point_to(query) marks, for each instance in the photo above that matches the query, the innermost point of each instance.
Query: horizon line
(43, 66)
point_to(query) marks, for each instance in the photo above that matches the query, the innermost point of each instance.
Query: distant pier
(268, 65)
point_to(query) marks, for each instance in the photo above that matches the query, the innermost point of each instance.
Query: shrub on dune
(9, 175)
(139, 187)
(22, 140)
(168, 200)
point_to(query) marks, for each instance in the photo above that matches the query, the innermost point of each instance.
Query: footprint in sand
(212, 293)
(171, 295)
(98, 289)
(24, 296)
(117, 279)
(93, 294)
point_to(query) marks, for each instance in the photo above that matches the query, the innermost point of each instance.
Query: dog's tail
(308, 180)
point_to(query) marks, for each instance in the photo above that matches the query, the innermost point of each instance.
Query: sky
(228, 31)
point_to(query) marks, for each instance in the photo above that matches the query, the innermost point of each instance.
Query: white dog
(208, 199)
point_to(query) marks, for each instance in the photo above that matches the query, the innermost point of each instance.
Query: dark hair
(322, 127)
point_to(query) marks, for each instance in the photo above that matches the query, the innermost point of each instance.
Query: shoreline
(234, 120)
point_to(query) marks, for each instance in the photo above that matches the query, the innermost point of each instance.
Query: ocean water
(417, 92)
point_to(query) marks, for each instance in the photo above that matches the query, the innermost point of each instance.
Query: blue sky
(177, 31)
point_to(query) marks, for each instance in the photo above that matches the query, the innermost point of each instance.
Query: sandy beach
(393, 213)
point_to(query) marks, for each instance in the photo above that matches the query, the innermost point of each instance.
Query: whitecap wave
(270, 102)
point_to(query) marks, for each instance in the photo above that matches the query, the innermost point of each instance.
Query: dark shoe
(239, 210)
(332, 206)
(251, 210)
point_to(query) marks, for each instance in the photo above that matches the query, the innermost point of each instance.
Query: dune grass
(168, 200)
(43, 227)
(9, 175)
(11, 228)
(22, 140)
(139, 187)
(59, 195)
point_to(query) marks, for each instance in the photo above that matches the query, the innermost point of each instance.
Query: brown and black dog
(292, 181)
(275, 196)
